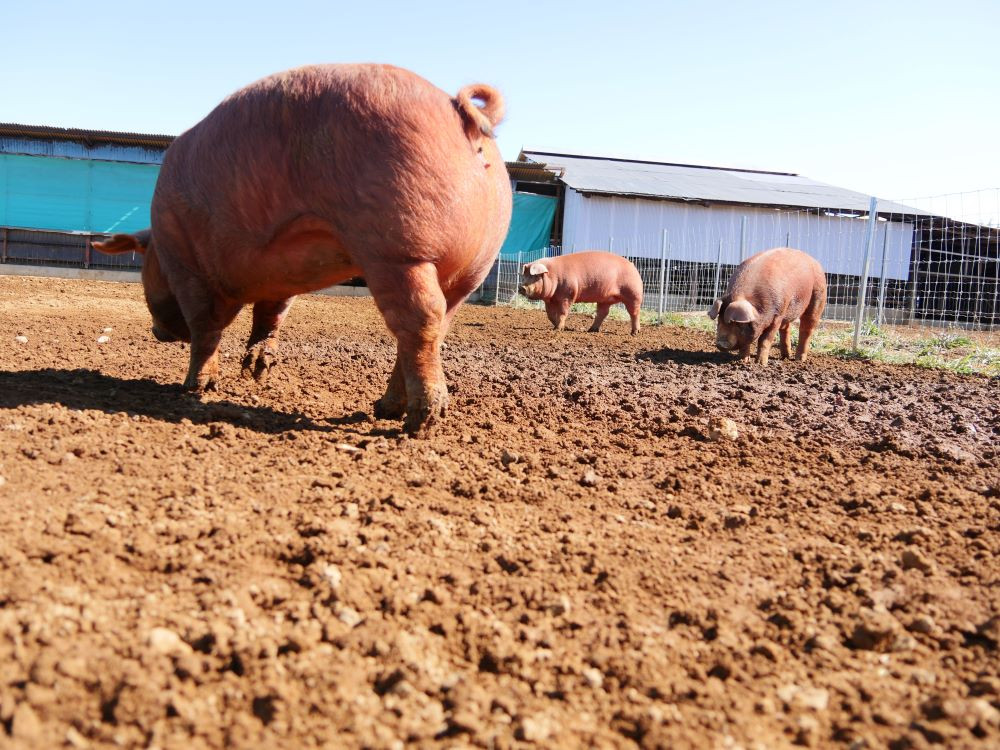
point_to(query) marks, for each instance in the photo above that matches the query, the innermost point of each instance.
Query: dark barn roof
(46, 132)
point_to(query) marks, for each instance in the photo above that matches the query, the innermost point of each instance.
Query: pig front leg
(557, 310)
(603, 308)
(766, 341)
(414, 309)
(206, 318)
(262, 346)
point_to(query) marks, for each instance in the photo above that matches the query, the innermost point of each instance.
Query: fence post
(3, 258)
(718, 273)
(663, 267)
(743, 238)
(611, 244)
(881, 277)
(915, 266)
(863, 288)
(517, 273)
(496, 294)
(86, 252)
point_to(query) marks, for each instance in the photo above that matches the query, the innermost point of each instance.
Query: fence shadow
(90, 389)
(684, 356)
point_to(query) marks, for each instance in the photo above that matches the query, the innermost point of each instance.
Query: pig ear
(537, 269)
(124, 243)
(713, 312)
(740, 312)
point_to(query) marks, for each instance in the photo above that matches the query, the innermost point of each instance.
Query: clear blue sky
(899, 99)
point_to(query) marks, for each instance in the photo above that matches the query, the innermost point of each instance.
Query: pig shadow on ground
(685, 357)
(90, 389)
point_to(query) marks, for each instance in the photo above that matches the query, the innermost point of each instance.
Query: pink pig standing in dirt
(604, 278)
(768, 292)
(313, 176)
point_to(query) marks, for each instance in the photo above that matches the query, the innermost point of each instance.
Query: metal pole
(517, 274)
(3, 258)
(718, 273)
(881, 276)
(743, 239)
(663, 267)
(86, 252)
(863, 288)
(788, 239)
(496, 294)
(611, 244)
(915, 272)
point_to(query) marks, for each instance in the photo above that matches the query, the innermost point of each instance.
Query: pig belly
(303, 256)
(600, 295)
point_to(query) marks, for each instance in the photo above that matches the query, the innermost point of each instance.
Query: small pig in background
(604, 278)
(768, 292)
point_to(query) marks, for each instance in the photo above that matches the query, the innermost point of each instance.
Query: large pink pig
(769, 292)
(316, 175)
(604, 278)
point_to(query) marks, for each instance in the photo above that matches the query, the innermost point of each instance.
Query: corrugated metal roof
(530, 172)
(690, 182)
(11, 129)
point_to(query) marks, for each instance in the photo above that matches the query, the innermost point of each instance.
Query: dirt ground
(578, 557)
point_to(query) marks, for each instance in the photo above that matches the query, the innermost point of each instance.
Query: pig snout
(522, 290)
(726, 340)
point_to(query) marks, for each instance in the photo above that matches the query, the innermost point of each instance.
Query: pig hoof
(258, 361)
(426, 412)
(389, 408)
(201, 386)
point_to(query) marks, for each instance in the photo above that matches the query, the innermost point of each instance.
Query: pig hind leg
(808, 322)
(414, 308)
(603, 308)
(262, 346)
(633, 307)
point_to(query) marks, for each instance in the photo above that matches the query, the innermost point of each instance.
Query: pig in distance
(310, 177)
(766, 294)
(604, 278)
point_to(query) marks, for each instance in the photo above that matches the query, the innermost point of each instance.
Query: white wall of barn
(634, 227)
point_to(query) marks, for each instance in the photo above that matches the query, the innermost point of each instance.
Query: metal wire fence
(930, 262)
(922, 262)
(34, 247)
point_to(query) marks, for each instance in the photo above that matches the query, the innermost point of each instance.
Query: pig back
(777, 281)
(375, 151)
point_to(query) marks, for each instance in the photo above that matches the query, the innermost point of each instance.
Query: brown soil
(577, 557)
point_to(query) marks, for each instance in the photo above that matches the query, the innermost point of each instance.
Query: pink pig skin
(593, 276)
(769, 292)
(310, 177)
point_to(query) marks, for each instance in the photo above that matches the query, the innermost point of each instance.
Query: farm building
(60, 186)
(689, 226)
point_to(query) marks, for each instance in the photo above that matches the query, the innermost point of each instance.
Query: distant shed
(701, 218)
(62, 185)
